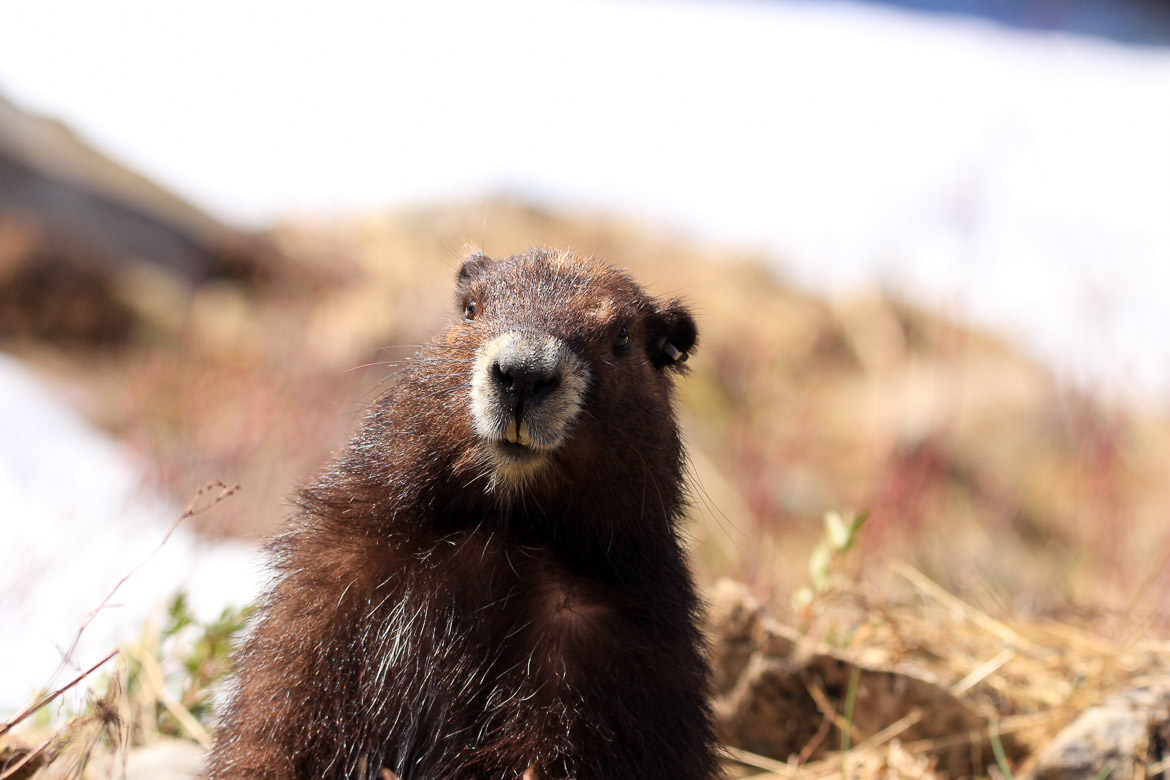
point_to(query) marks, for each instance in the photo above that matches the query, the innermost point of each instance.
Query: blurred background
(928, 244)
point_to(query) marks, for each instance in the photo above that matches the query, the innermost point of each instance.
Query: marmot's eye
(469, 311)
(623, 339)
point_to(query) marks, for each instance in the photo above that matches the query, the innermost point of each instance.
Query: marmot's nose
(526, 383)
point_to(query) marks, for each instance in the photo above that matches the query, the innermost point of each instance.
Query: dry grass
(1026, 679)
(122, 715)
(1031, 517)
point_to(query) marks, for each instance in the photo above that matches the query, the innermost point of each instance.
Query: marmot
(489, 581)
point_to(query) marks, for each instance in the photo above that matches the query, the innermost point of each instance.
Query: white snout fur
(544, 425)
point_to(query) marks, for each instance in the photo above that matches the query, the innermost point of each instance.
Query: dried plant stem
(1008, 725)
(154, 678)
(825, 705)
(192, 510)
(982, 672)
(814, 742)
(893, 730)
(49, 697)
(981, 619)
(770, 765)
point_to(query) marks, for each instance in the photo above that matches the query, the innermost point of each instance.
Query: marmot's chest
(536, 609)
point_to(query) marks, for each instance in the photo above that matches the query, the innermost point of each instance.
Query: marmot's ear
(672, 334)
(473, 265)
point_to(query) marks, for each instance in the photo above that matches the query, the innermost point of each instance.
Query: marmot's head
(570, 363)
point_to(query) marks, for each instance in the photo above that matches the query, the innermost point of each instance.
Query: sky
(1020, 179)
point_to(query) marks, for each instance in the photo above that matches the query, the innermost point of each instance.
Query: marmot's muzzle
(526, 391)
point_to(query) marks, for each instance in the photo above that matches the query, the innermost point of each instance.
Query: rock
(739, 628)
(1130, 729)
(170, 759)
(79, 233)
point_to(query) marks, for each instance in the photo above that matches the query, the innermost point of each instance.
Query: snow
(77, 514)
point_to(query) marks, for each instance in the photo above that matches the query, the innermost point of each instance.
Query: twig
(191, 511)
(193, 508)
(47, 698)
(814, 742)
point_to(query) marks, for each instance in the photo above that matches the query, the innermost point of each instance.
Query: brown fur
(433, 618)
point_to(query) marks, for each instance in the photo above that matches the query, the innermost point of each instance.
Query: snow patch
(77, 513)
